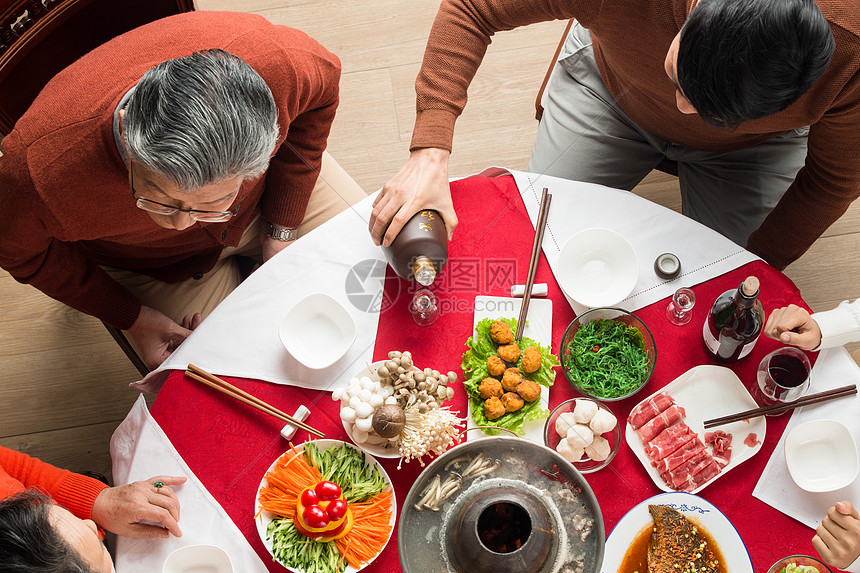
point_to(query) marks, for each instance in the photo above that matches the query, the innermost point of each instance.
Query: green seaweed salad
(474, 366)
(607, 358)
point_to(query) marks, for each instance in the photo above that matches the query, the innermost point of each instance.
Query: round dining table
(229, 445)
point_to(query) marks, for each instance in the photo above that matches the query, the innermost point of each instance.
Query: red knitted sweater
(631, 38)
(75, 492)
(67, 207)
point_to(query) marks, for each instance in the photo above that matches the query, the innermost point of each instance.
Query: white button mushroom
(365, 395)
(602, 422)
(337, 393)
(364, 410)
(354, 402)
(364, 424)
(347, 414)
(599, 449)
(579, 435)
(584, 411)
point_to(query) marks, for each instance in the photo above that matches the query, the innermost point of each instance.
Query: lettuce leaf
(474, 366)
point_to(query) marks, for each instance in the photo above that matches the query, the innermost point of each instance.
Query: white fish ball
(354, 402)
(364, 410)
(579, 435)
(599, 449)
(364, 424)
(569, 452)
(563, 423)
(347, 414)
(584, 411)
(602, 422)
(354, 388)
(365, 395)
(376, 400)
(358, 436)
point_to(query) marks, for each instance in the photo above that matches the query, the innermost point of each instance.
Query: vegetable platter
(325, 506)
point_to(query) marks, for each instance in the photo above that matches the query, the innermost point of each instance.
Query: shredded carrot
(285, 482)
(370, 531)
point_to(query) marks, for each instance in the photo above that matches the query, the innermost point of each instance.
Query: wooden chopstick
(545, 200)
(197, 373)
(782, 407)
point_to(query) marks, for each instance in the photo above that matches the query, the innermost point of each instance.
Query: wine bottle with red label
(734, 323)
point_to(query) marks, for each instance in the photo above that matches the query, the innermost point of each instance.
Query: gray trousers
(584, 135)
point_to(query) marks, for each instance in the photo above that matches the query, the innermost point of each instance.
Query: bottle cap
(667, 266)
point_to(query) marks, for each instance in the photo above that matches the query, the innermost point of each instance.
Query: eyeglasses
(198, 215)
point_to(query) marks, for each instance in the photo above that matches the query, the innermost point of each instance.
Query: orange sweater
(67, 207)
(19, 472)
(631, 38)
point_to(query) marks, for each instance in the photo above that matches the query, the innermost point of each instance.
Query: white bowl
(317, 331)
(598, 267)
(198, 559)
(821, 455)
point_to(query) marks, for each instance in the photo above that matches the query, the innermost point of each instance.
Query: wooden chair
(38, 38)
(666, 165)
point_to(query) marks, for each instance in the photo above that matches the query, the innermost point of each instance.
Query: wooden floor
(63, 387)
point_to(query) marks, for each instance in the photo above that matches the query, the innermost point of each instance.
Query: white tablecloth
(834, 368)
(240, 338)
(140, 450)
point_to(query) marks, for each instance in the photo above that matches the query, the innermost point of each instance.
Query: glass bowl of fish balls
(585, 432)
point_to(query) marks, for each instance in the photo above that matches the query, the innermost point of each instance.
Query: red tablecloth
(229, 445)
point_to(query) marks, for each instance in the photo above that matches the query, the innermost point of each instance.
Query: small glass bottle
(420, 250)
(734, 323)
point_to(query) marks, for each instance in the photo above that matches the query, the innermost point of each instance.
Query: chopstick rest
(538, 289)
(288, 431)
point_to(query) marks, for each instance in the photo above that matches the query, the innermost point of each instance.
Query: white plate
(597, 267)
(198, 559)
(377, 451)
(707, 392)
(821, 455)
(538, 328)
(317, 331)
(264, 518)
(692, 506)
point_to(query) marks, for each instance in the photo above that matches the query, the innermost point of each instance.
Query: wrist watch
(280, 233)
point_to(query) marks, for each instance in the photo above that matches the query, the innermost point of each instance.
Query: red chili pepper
(595, 349)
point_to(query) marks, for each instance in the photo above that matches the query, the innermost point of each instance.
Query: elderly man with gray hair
(143, 168)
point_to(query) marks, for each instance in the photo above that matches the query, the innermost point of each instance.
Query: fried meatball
(511, 379)
(512, 401)
(510, 353)
(530, 391)
(531, 359)
(490, 388)
(495, 366)
(493, 409)
(501, 333)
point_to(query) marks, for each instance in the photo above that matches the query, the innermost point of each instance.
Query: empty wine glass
(678, 310)
(423, 307)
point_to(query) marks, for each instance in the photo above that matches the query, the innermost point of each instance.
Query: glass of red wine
(783, 376)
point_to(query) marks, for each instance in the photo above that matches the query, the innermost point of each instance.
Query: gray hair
(200, 119)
